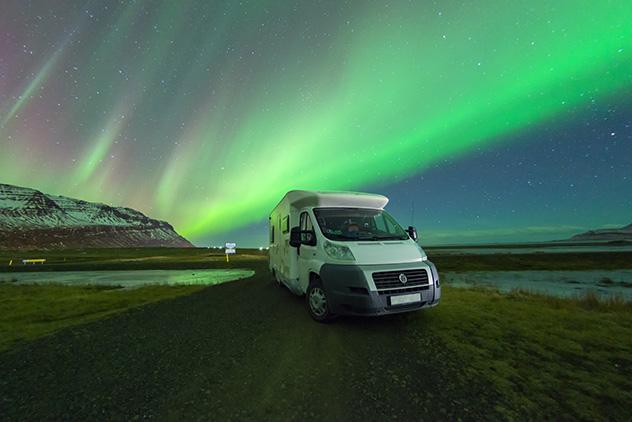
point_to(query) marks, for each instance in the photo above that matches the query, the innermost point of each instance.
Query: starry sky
(491, 121)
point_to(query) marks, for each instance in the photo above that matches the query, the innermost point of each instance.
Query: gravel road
(244, 350)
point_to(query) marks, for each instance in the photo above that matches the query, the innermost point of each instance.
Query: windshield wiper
(392, 238)
(363, 238)
(382, 238)
(341, 237)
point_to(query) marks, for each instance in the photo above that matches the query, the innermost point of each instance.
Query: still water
(527, 249)
(556, 283)
(129, 278)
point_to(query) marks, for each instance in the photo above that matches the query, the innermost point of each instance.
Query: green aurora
(206, 118)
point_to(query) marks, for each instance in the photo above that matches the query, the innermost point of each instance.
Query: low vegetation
(31, 311)
(545, 261)
(547, 357)
(97, 259)
(198, 258)
(539, 357)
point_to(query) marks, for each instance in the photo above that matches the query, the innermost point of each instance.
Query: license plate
(402, 299)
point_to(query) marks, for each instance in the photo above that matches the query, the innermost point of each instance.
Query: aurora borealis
(205, 113)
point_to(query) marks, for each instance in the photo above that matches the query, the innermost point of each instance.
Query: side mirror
(295, 237)
(412, 232)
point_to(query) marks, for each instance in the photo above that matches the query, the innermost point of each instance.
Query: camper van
(348, 256)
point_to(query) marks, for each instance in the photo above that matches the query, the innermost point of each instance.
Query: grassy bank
(127, 259)
(199, 258)
(563, 261)
(548, 358)
(31, 311)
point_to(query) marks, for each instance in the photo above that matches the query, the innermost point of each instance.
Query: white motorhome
(348, 255)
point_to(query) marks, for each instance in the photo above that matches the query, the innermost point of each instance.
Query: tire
(316, 301)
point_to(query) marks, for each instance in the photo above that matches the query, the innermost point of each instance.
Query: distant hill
(624, 233)
(30, 219)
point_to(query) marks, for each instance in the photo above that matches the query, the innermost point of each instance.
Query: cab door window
(308, 236)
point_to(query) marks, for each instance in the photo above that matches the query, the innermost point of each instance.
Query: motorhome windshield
(353, 224)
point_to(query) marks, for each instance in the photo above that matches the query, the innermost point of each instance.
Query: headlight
(340, 252)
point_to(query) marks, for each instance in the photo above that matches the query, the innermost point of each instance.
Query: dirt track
(243, 350)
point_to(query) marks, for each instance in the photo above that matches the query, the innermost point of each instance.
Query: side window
(389, 225)
(380, 222)
(308, 223)
(271, 233)
(307, 229)
(286, 224)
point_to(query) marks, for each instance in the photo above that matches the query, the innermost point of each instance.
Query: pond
(129, 279)
(526, 249)
(556, 283)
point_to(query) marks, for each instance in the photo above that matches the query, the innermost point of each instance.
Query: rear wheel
(317, 303)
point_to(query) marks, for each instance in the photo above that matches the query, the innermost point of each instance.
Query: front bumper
(351, 291)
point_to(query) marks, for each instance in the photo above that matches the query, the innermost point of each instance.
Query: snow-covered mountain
(624, 233)
(30, 219)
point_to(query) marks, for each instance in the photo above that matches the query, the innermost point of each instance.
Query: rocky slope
(30, 219)
(623, 233)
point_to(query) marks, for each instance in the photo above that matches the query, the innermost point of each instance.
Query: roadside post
(230, 249)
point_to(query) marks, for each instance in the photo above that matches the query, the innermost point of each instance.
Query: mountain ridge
(32, 219)
(622, 233)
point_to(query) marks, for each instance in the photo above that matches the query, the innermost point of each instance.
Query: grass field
(534, 261)
(197, 258)
(539, 357)
(550, 358)
(126, 259)
(31, 311)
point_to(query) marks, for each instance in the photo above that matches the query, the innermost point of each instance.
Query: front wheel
(317, 303)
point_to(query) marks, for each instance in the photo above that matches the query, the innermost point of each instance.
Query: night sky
(482, 121)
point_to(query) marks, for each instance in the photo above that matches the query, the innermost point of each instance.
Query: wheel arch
(313, 276)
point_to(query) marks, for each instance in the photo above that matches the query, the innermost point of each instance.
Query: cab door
(307, 250)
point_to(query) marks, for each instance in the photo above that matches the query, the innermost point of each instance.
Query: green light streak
(401, 104)
(99, 149)
(228, 107)
(35, 84)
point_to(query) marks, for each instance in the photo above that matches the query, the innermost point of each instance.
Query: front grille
(390, 279)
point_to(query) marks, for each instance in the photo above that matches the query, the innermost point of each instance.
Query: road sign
(230, 249)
